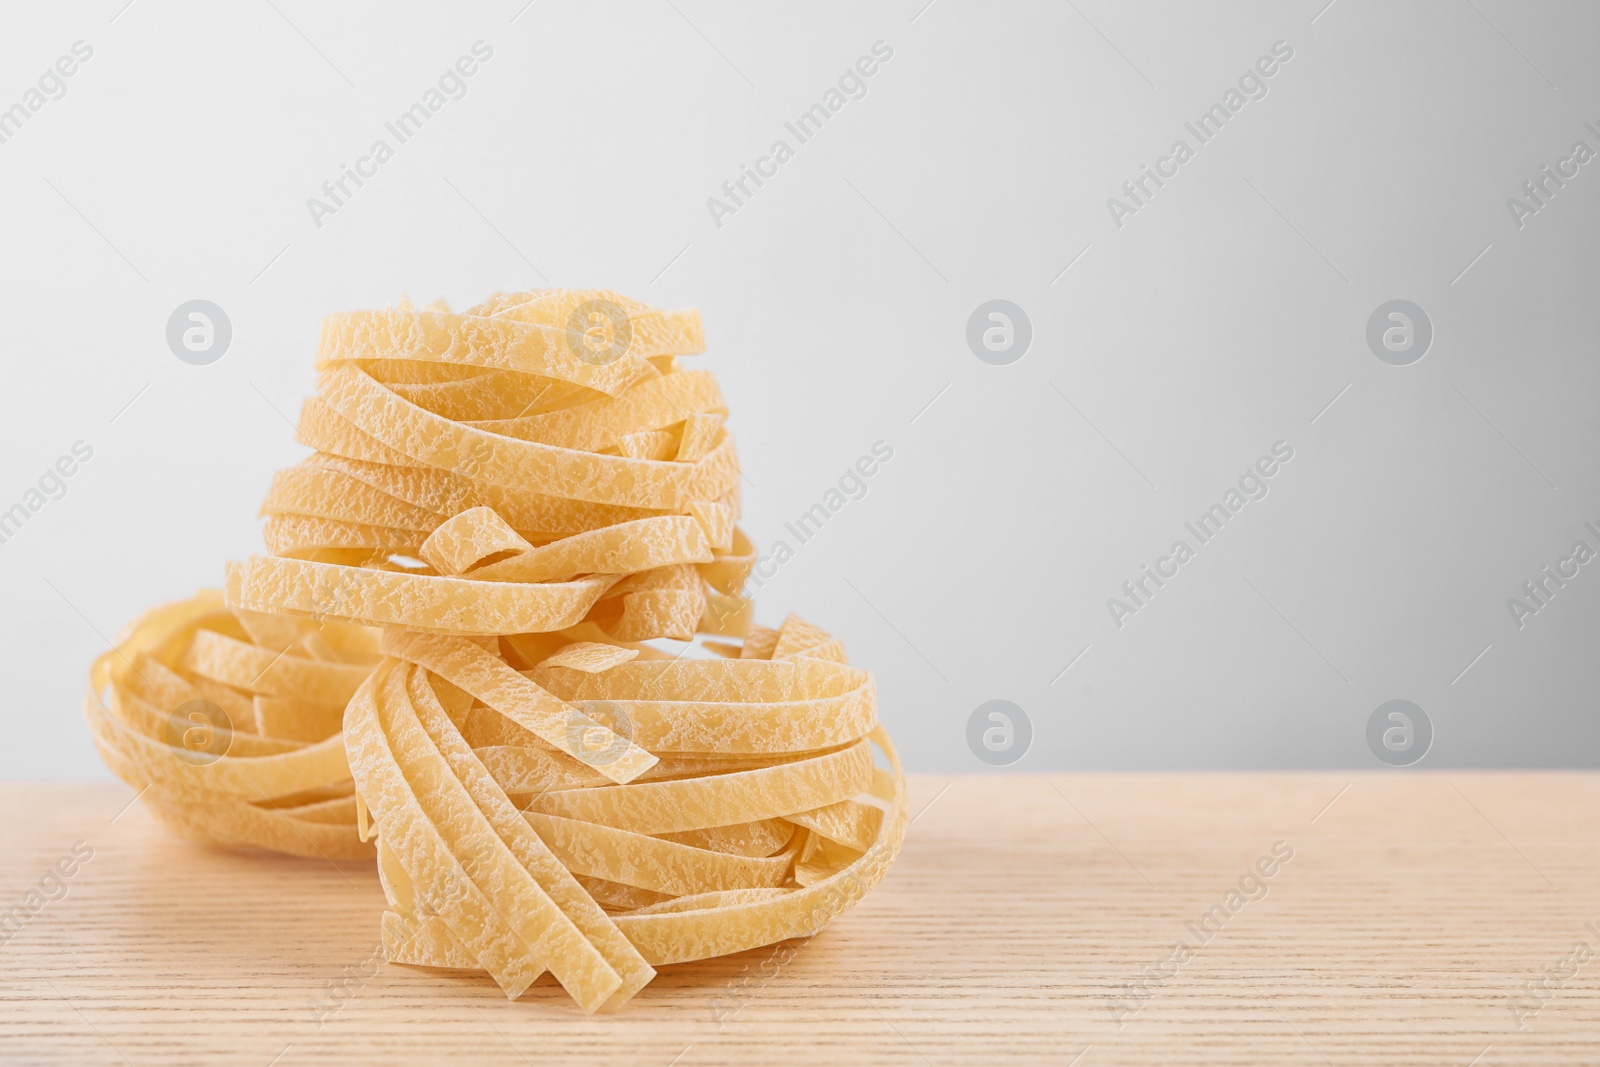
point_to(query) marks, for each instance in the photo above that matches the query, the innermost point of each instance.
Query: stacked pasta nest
(445, 661)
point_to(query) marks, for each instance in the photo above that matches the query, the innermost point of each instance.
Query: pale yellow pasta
(191, 742)
(446, 660)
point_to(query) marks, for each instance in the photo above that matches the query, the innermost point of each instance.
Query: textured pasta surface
(471, 652)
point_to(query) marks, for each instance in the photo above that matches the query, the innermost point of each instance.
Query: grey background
(1224, 316)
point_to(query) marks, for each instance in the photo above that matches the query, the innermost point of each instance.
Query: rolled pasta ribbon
(711, 851)
(229, 723)
(445, 658)
(477, 474)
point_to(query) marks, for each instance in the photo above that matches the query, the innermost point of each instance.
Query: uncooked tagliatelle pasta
(446, 660)
(228, 722)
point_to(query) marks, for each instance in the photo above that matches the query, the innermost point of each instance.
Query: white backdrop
(1177, 337)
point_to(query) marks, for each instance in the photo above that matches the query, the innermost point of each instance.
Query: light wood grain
(1414, 908)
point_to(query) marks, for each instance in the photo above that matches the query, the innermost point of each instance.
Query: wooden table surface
(1420, 919)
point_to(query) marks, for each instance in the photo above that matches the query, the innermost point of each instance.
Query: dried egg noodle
(228, 721)
(442, 660)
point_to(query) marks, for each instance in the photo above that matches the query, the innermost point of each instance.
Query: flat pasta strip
(410, 830)
(653, 863)
(491, 680)
(530, 852)
(716, 800)
(461, 543)
(590, 657)
(848, 822)
(380, 597)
